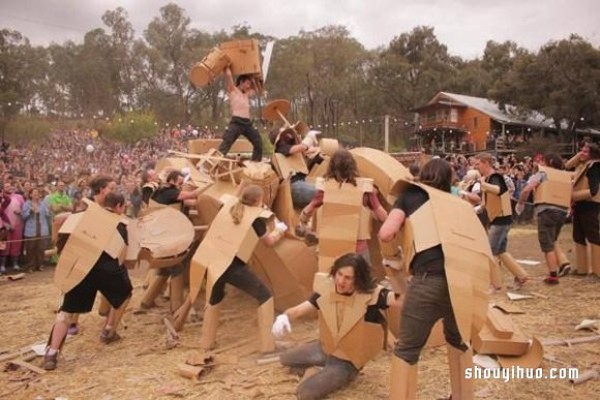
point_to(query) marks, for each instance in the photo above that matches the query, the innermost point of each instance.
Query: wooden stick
(234, 345)
(170, 329)
(585, 376)
(568, 342)
(9, 356)
(267, 360)
(28, 366)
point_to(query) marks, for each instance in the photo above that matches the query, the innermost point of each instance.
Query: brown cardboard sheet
(244, 56)
(198, 179)
(287, 269)
(94, 233)
(531, 359)
(201, 146)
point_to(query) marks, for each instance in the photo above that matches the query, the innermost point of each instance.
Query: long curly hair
(342, 167)
(363, 281)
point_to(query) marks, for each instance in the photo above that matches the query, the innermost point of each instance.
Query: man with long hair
(351, 326)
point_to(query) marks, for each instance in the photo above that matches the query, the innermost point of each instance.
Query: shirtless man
(239, 98)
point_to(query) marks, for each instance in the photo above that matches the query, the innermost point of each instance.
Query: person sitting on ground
(347, 293)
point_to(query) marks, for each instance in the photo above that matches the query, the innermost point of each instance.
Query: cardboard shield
(162, 237)
(93, 232)
(287, 269)
(452, 222)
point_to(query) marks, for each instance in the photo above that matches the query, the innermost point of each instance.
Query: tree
(562, 81)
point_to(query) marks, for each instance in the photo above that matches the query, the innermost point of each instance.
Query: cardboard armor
(162, 237)
(581, 183)
(451, 222)
(92, 232)
(555, 190)
(223, 241)
(342, 219)
(496, 205)
(355, 340)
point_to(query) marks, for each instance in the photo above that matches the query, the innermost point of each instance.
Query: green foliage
(130, 127)
(27, 129)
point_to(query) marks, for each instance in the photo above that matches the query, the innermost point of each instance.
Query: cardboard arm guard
(486, 187)
(581, 195)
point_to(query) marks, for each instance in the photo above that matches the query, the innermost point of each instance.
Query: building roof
(492, 108)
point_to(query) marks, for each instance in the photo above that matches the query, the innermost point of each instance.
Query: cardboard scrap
(591, 324)
(508, 308)
(529, 262)
(531, 359)
(25, 364)
(484, 361)
(586, 376)
(516, 296)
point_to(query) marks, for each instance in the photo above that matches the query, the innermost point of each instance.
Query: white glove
(281, 326)
(281, 226)
(519, 208)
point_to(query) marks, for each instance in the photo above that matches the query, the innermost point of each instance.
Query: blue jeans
(336, 373)
(302, 193)
(498, 237)
(427, 300)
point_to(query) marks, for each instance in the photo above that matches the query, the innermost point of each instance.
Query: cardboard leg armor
(513, 266)
(266, 316)
(156, 286)
(176, 292)
(404, 380)
(496, 275)
(595, 259)
(210, 323)
(581, 258)
(458, 361)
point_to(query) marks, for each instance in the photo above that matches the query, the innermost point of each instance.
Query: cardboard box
(244, 56)
(485, 342)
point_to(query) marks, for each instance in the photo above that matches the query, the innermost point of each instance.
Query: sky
(464, 26)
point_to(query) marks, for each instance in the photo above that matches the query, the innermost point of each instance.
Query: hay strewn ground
(141, 367)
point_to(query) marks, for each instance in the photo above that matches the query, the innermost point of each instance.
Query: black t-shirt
(430, 260)
(284, 146)
(372, 315)
(593, 176)
(166, 195)
(498, 180)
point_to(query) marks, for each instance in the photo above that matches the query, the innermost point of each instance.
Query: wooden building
(452, 122)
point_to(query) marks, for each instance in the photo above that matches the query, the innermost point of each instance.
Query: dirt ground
(142, 366)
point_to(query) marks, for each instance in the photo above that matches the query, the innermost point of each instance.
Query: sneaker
(551, 280)
(73, 330)
(16, 267)
(50, 362)
(564, 269)
(2, 269)
(107, 338)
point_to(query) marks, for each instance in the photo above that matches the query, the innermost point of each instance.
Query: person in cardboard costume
(352, 326)
(346, 199)
(586, 209)
(95, 271)
(496, 200)
(169, 194)
(443, 247)
(287, 142)
(223, 256)
(239, 99)
(551, 186)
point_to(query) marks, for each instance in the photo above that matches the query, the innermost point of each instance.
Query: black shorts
(110, 280)
(549, 224)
